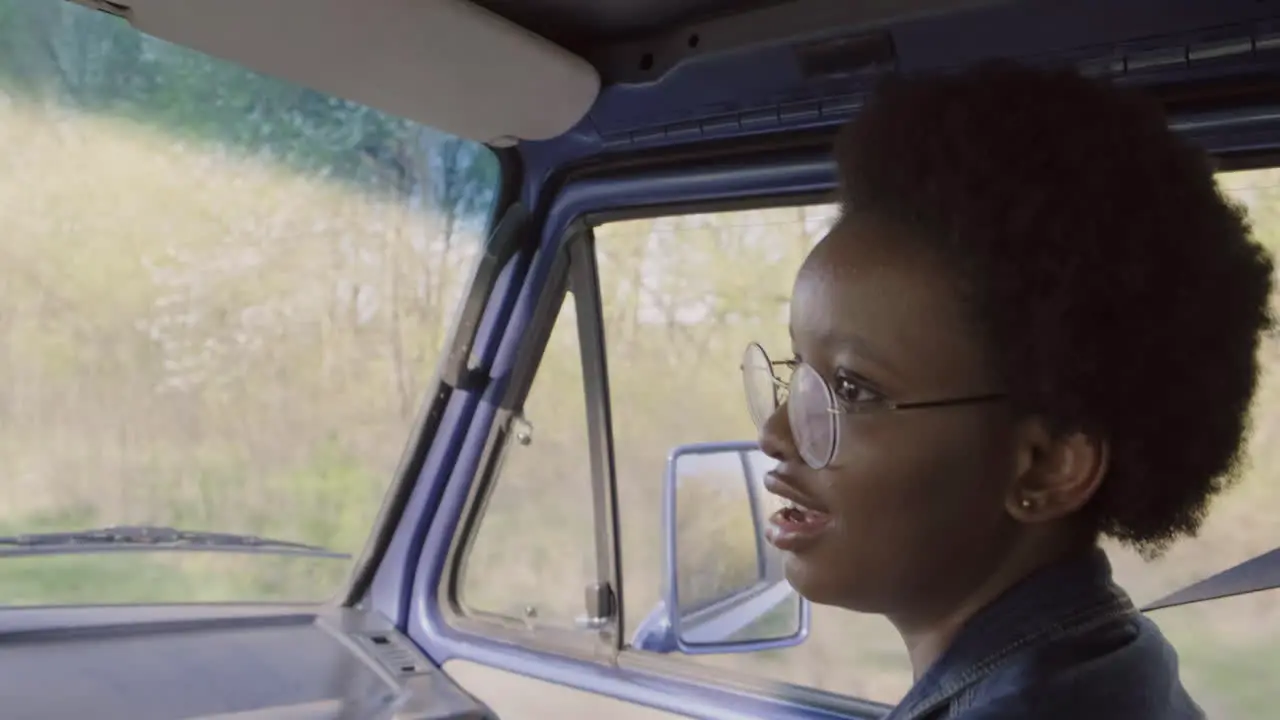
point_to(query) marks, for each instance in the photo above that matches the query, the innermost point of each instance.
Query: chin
(815, 582)
(812, 581)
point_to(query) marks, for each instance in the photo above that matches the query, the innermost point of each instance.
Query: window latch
(601, 607)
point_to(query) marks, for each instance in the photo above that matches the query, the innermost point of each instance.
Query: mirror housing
(724, 590)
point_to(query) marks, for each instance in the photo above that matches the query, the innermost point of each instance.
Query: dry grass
(194, 336)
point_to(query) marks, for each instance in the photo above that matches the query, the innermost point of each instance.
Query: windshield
(222, 297)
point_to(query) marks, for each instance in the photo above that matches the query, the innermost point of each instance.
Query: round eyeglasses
(812, 406)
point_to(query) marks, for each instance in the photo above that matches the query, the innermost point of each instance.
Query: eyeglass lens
(814, 424)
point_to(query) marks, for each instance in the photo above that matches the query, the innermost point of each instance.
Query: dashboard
(218, 663)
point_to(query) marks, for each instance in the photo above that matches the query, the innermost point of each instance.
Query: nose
(775, 436)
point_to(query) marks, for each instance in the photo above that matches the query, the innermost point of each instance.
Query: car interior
(601, 114)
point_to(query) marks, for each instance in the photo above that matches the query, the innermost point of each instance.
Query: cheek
(915, 513)
(913, 481)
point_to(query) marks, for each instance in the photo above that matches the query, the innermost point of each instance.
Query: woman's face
(914, 500)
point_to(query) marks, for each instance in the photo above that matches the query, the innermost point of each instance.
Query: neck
(929, 631)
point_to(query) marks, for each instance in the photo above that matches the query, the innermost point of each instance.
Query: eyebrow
(856, 343)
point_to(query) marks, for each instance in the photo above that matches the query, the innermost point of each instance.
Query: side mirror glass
(725, 591)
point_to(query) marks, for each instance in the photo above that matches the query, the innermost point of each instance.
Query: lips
(800, 522)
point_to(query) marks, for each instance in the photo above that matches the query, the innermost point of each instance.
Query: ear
(1057, 472)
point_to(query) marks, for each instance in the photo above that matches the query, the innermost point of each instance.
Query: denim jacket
(1064, 644)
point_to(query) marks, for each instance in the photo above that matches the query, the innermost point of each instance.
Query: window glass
(1229, 650)
(533, 554)
(222, 297)
(683, 295)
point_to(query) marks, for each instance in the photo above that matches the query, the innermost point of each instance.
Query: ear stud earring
(1025, 503)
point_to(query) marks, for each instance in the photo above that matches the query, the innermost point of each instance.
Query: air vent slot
(395, 654)
(1243, 45)
(842, 57)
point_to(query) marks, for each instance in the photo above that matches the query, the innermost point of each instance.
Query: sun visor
(445, 63)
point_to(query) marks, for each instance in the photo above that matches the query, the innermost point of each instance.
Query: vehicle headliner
(577, 24)
(592, 28)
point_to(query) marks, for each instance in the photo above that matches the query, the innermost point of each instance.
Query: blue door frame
(802, 174)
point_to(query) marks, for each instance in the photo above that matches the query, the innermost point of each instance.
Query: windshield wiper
(145, 537)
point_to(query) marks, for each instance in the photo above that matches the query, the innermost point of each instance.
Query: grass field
(199, 338)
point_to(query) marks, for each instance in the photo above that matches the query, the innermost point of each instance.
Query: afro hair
(1122, 294)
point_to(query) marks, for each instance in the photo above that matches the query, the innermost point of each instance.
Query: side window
(1228, 649)
(533, 552)
(681, 298)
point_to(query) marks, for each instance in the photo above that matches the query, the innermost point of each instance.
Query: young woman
(1034, 325)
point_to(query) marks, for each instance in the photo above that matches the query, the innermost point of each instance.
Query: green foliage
(93, 578)
(223, 296)
(90, 61)
(336, 495)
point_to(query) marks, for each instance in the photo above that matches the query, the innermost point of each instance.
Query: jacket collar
(1059, 599)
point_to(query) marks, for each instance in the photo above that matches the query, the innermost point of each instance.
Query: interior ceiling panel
(579, 24)
(633, 41)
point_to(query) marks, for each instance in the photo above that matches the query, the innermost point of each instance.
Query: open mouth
(795, 513)
(796, 524)
(795, 516)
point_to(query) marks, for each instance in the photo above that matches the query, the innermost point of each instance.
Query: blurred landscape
(222, 298)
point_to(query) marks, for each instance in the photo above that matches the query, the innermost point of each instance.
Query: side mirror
(724, 588)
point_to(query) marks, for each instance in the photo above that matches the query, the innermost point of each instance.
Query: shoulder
(1122, 669)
